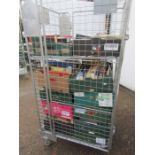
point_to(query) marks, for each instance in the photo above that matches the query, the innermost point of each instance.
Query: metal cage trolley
(76, 50)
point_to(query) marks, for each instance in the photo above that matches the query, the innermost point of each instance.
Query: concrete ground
(30, 141)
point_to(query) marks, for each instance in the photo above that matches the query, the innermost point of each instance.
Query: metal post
(31, 72)
(119, 65)
(52, 125)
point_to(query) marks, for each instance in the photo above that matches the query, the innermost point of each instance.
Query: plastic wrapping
(65, 25)
(105, 6)
(30, 18)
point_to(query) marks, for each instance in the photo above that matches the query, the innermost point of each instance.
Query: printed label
(80, 111)
(65, 113)
(91, 90)
(105, 104)
(61, 111)
(90, 132)
(111, 46)
(100, 140)
(80, 94)
(105, 99)
(92, 123)
(41, 63)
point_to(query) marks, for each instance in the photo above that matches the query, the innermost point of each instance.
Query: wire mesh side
(22, 60)
(77, 106)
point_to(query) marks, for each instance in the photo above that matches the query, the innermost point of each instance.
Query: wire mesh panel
(22, 60)
(76, 55)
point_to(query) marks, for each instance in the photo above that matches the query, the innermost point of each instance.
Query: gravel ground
(31, 143)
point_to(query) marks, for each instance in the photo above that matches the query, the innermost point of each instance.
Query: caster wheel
(46, 141)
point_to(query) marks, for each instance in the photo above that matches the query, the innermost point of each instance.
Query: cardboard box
(92, 85)
(93, 115)
(59, 81)
(62, 112)
(61, 52)
(60, 127)
(97, 47)
(91, 132)
(58, 111)
(91, 80)
(66, 98)
(62, 98)
(53, 52)
(39, 79)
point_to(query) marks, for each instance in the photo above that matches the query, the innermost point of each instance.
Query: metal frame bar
(52, 125)
(22, 44)
(119, 66)
(81, 142)
(44, 64)
(31, 72)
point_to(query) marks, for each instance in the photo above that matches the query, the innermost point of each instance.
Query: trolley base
(53, 137)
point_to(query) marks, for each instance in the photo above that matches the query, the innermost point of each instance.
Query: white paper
(30, 18)
(105, 99)
(65, 25)
(80, 111)
(91, 123)
(90, 132)
(91, 90)
(121, 3)
(80, 94)
(105, 6)
(114, 67)
(41, 63)
(111, 46)
(105, 104)
(65, 113)
(44, 15)
(100, 140)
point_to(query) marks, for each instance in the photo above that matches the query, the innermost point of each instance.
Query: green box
(59, 97)
(60, 127)
(64, 128)
(102, 101)
(90, 132)
(93, 115)
(92, 85)
(58, 49)
(43, 94)
(35, 42)
(63, 98)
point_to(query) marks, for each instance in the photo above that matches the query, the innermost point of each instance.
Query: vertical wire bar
(126, 15)
(44, 67)
(32, 77)
(108, 23)
(33, 81)
(20, 37)
(52, 125)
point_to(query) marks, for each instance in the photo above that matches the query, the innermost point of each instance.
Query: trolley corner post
(126, 16)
